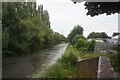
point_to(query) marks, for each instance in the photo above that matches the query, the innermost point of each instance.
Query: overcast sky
(64, 15)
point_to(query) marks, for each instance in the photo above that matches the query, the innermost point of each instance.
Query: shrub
(91, 46)
(75, 39)
(81, 43)
(114, 58)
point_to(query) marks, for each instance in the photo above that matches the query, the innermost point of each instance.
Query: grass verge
(65, 66)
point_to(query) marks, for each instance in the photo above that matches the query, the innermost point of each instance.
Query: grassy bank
(65, 66)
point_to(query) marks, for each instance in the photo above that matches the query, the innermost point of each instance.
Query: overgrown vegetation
(77, 39)
(65, 67)
(79, 48)
(76, 30)
(26, 28)
(115, 62)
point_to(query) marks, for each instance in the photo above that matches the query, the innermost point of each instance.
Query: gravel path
(105, 69)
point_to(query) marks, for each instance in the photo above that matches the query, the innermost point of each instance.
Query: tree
(75, 39)
(45, 17)
(58, 38)
(115, 34)
(76, 30)
(5, 39)
(96, 8)
(9, 15)
(26, 29)
(91, 46)
(98, 35)
(81, 43)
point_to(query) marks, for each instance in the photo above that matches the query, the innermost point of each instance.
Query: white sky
(64, 15)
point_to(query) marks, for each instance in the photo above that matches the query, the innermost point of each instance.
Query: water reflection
(30, 65)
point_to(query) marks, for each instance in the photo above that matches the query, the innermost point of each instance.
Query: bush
(91, 46)
(69, 60)
(57, 71)
(75, 39)
(114, 58)
(81, 43)
(83, 49)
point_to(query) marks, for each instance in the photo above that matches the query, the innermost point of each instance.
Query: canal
(32, 65)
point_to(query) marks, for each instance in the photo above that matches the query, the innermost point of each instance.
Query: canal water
(32, 65)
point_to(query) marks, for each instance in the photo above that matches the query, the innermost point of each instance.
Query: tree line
(26, 28)
(98, 35)
(82, 43)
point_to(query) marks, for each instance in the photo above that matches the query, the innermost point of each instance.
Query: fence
(102, 47)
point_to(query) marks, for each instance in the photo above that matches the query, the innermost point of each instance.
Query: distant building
(104, 45)
(96, 39)
(115, 41)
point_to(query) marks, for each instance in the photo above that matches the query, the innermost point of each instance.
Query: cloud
(64, 15)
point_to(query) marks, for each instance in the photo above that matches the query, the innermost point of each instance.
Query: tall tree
(76, 30)
(25, 28)
(45, 17)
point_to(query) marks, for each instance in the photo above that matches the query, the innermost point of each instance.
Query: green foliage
(91, 46)
(114, 58)
(76, 30)
(58, 38)
(65, 66)
(115, 34)
(69, 59)
(97, 8)
(57, 71)
(81, 43)
(5, 39)
(115, 48)
(75, 39)
(98, 35)
(26, 29)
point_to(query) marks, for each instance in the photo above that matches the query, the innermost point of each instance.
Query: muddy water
(33, 64)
